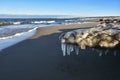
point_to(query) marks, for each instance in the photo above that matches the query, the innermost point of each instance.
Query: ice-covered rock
(103, 35)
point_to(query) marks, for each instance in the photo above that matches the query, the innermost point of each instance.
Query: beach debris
(104, 35)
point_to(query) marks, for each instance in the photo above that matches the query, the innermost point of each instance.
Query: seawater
(13, 34)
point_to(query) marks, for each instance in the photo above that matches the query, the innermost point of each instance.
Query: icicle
(115, 53)
(68, 49)
(63, 47)
(106, 52)
(99, 51)
(93, 49)
(100, 54)
(71, 48)
(77, 50)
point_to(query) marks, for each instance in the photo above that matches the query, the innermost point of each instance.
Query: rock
(104, 37)
(97, 36)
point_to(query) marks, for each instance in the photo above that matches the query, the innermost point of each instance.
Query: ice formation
(68, 48)
(103, 36)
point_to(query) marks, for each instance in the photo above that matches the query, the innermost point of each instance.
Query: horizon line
(57, 15)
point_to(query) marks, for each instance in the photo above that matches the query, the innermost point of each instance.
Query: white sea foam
(11, 40)
(44, 22)
(17, 34)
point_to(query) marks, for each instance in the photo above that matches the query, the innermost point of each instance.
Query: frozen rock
(104, 36)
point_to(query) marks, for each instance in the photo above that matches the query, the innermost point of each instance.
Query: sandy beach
(40, 58)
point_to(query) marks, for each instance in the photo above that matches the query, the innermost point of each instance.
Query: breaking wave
(16, 34)
(16, 38)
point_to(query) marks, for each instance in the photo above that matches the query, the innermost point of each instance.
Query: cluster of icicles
(71, 43)
(67, 49)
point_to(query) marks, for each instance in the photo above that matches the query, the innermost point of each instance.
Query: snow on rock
(103, 36)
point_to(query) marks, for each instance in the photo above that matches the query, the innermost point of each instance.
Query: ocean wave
(17, 34)
(16, 39)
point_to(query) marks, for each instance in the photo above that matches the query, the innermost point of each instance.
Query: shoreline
(42, 31)
(57, 29)
(40, 58)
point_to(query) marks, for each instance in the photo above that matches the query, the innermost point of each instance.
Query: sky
(61, 7)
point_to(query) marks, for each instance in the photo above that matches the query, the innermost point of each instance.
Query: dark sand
(40, 58)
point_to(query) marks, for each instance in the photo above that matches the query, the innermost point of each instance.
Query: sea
(15, 33)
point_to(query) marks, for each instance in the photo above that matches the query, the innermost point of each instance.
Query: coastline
(58, 29)
(40, 58)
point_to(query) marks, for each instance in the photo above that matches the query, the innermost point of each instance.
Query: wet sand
(40, 58)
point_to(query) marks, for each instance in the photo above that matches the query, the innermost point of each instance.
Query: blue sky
(61, 7)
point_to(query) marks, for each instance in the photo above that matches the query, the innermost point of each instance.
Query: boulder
(103, 35)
